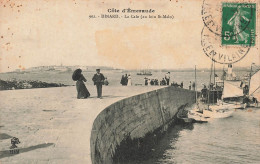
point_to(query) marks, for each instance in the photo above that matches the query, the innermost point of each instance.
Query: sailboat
(254, 89)
(212, 108)
(196, 113)
(233, 95)
(206, 112)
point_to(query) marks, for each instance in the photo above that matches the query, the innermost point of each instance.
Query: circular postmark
(223, 54)
(220, 15)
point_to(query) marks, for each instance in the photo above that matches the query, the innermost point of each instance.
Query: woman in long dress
(129, 78)
(238, 29)
(80, 86)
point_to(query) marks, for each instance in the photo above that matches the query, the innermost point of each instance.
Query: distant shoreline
(93, 68)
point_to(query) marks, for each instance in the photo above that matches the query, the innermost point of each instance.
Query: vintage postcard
(130, 81)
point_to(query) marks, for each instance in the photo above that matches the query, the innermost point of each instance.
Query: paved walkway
(51, 124)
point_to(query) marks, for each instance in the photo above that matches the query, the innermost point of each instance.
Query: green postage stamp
(238, 24)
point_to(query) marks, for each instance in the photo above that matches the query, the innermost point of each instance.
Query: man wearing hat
(98, 80)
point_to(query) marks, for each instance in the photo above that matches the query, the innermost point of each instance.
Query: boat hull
(197, 116)
(214, 111)
(144, 74)
(218, 114)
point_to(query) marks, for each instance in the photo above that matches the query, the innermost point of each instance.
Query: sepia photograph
(129, 82)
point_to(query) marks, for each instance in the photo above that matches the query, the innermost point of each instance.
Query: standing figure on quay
(167, 78)
(98, 80)
(80, 86)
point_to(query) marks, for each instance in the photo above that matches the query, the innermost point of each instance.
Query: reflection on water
(165, 143)
(230, 140)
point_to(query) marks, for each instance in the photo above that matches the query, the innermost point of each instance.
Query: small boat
(250, 95)
(209, 107)
(218, 111)
(212, 107)
(243, 97)
(237, 105)
(145, 73)
(197, 116)
(183, 117)
(211, 112)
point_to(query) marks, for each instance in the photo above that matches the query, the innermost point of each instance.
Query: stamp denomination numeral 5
(227, 35)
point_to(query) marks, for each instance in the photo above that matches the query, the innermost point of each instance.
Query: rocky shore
(26, 84)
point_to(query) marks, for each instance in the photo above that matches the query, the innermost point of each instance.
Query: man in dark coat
(125, 79)
(98, 80)
(181, 84)
(122, 80)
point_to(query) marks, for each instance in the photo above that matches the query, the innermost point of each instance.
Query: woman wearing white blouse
(129, 83)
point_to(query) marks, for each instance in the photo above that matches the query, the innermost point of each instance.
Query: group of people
(82, 90)
(164, 81)
(126, 80)
(177, 85)
(151, 81)
(192, 86)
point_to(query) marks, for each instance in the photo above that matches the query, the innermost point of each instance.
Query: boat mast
(223, 74)
(214, 72)
(223, 83)
(210, 80)
(214, 82)
(250, 78)
(196, 83)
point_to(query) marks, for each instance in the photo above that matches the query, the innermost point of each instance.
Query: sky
(54, 32)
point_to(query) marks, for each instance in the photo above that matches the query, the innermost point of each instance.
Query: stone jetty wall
(125, 123)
